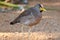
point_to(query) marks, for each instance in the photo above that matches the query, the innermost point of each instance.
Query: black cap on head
(40, 5)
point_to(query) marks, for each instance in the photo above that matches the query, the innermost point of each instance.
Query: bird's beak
(42, 9)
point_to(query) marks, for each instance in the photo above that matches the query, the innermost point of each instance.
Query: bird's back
(29, 17)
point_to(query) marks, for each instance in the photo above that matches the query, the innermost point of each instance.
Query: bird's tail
(12, 23)
(16, 20)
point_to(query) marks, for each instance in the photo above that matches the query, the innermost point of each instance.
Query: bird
(30, 17)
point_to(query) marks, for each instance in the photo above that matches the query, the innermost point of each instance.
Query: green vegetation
(8, 4)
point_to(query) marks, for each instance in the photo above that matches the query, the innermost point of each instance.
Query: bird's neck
(37, 7)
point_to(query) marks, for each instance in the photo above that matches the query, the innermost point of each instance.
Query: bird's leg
(22, 32)
(29, 33)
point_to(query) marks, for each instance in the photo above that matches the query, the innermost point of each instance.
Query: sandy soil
(33, 36)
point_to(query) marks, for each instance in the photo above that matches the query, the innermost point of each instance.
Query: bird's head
(41, 8)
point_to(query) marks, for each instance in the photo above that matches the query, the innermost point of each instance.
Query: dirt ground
(47, 29)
